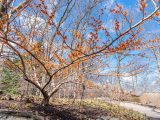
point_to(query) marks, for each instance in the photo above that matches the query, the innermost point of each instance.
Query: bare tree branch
(154, 4)
(59, 85)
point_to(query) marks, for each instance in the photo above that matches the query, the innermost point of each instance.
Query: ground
(87, 110)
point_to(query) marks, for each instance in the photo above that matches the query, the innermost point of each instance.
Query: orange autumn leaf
(125, 13)
(157, 13)
(44, 12)
(58, 57)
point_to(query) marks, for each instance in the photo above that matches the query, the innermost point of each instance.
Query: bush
(9, 82)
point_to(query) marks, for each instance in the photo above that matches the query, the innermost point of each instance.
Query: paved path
(150, 112)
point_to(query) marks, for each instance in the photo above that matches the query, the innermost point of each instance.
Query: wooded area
(79, 49)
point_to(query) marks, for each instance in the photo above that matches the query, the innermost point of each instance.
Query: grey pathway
(150, 112)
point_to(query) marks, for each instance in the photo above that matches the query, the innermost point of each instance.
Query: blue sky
(150, 27)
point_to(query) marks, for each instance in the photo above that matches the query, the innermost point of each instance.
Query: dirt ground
(53, 112)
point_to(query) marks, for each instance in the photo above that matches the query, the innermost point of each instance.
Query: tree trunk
(118, 82)
(46, 99)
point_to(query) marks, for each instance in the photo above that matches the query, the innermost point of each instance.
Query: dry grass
(111, 110)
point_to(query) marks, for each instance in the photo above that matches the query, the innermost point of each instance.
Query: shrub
(9, 82)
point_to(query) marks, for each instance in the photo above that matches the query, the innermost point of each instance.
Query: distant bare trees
(53, 43)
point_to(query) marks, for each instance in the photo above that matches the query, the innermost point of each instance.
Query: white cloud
(110, 26)
(109, 3)
(127, 79)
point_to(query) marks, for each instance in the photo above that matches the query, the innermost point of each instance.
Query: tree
(45, 49)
